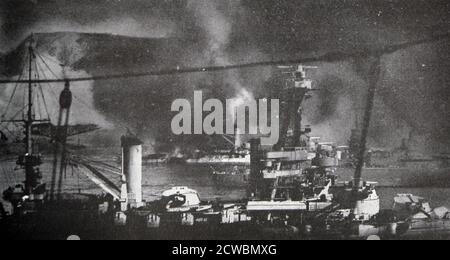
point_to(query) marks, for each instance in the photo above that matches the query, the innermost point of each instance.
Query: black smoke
(413, 94)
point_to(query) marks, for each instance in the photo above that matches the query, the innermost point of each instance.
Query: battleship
(296, 151)
(310, 204)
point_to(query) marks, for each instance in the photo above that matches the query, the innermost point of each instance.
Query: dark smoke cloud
(413, 94)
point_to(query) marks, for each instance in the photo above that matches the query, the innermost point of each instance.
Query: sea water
(432, 185)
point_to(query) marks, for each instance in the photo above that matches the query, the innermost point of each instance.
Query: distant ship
(155, 159)
(401, 158)
(239, 156)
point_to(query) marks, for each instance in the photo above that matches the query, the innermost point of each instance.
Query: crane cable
(329, 57)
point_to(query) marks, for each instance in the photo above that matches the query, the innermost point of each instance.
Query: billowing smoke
(413, 96)
(334, 107)
(339, 104)
(55, 61)
(218, 28)
(68, 51)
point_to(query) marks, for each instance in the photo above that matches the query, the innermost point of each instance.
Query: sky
(273, 24)
(221, 32)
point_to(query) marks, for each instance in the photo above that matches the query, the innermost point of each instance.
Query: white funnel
(131, 172)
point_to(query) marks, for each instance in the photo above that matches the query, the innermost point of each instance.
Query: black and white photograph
(224, 120)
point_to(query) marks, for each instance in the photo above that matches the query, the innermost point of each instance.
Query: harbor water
(432, 185)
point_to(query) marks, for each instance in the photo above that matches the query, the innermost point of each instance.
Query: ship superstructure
(296, 150)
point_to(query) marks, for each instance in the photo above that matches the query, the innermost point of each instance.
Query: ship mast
(29, 120)
(30, 161)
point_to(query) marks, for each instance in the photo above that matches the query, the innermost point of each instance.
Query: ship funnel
(131, 194)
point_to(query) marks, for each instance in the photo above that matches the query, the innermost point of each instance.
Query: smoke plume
(412, 98)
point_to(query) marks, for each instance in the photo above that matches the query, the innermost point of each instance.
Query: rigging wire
(41, 92)
(53, 60)
(12, 97)
(87, 106)
(24, 102)
(50, 87)
(83, 103)
(9, 131)
(15, 115)
(45, 63)
(17, 134)
(45, 102)
(58, 37)
(37, 108)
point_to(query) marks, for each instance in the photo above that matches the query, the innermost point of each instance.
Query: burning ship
(238, 155)
(306, 205)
